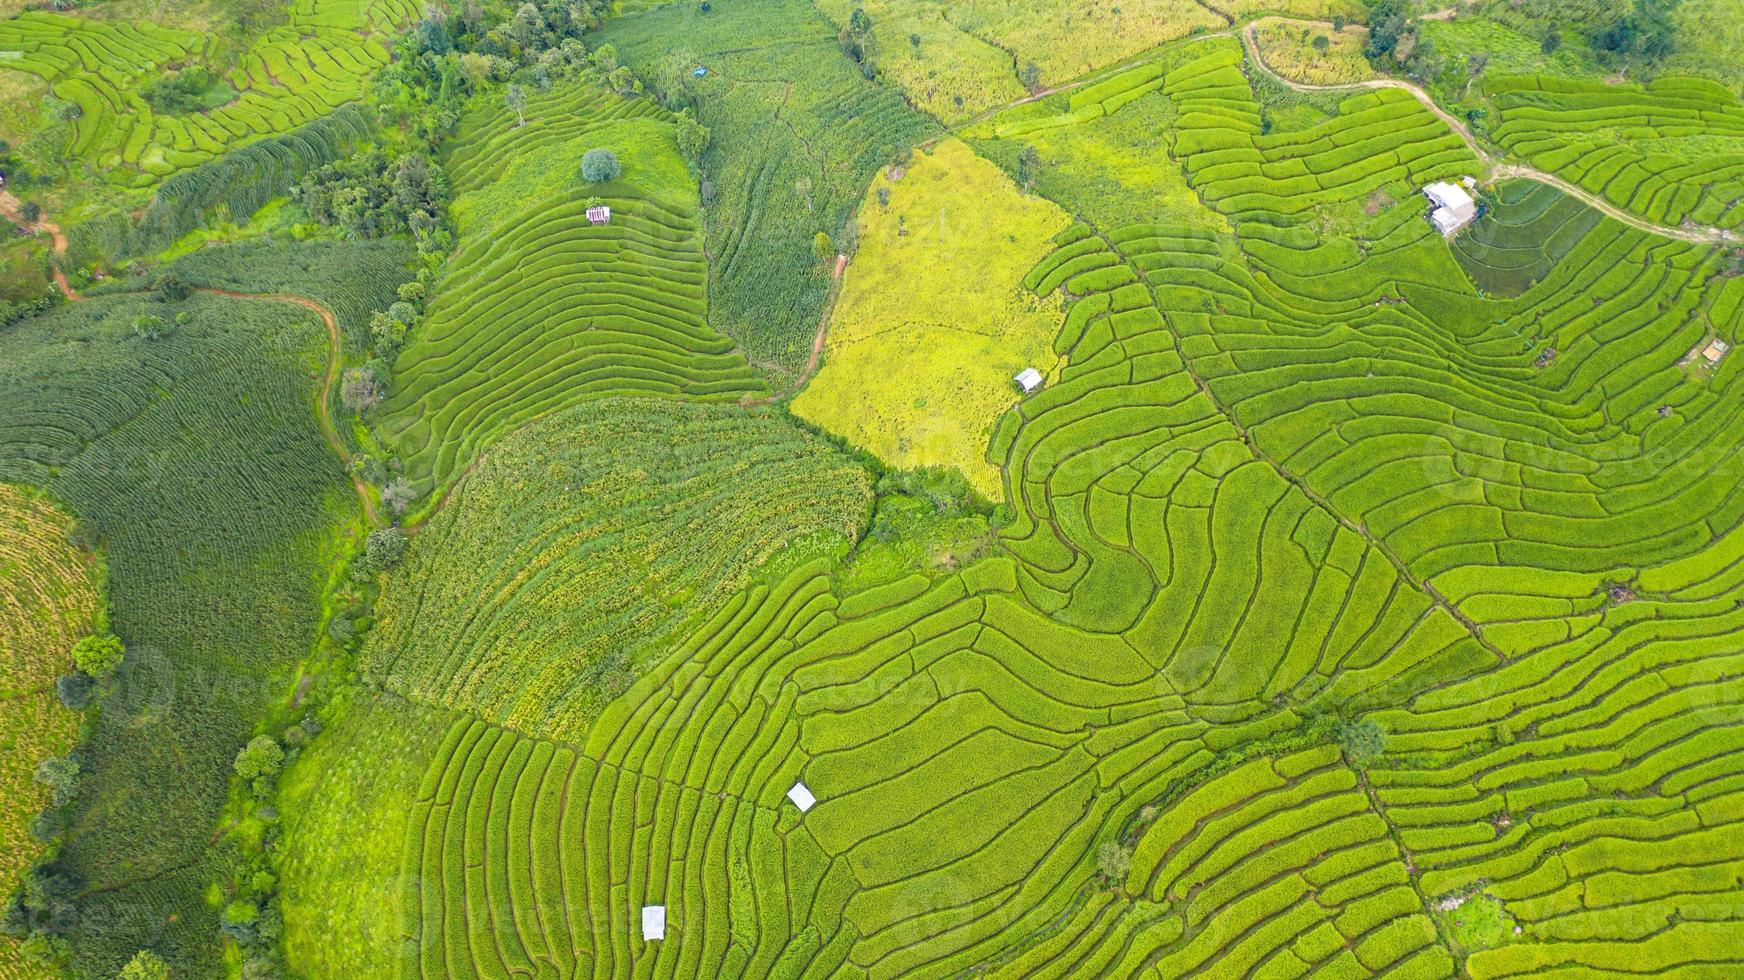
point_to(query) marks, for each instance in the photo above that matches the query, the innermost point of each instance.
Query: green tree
(1031, 76)
(693, 137)
(262, 757)
(1114, 860)
(1321, 43)
(516, 100)
(1362, 741)
(822, 248)
(61, 775)
(99, 656)
(1389, 22)
(1029, 167)
(383, 549)
(1552, 41)
(149, 327)
(145, 965)
(1647, 31)
(600, 164)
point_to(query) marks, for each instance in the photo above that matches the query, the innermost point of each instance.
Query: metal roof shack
(1029, 379)
(600, 214)
(1716, 350)
(1454, 207)
(653, 922)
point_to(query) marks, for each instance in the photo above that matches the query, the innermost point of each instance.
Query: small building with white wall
(1454, 207)
(653, 922)
(801, 797)
(1029, 379)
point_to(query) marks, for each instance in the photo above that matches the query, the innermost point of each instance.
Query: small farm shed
(600, 214)
(653, 922)
(1716, 350)
(801, 797)
(1454, 207)
(1029, 379)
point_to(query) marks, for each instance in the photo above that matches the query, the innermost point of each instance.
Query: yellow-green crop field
(1292, 49)
(933, 322)
(516, 590)
(48, 602)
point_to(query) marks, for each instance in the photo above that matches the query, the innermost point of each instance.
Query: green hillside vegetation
(345, 802)
(1671, 151)
(49, 601)
(1351, 600)
(611, 525)
(770, 189)
(540, 309)
(131, 123)
(195, 461)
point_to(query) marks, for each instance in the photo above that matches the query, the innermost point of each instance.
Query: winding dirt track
(11, 207)
(1495, 168)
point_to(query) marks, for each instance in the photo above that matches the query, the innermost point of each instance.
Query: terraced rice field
(1378, 138)
(48, 601)
(612, 524)
(1523, 237)
(1670, 151)
(539, 308)
(1349, 602)
(798, 131)
(290, 76)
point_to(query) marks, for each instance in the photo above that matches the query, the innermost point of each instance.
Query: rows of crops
(290, 76)
(1378, 138)
(1287, 480)
(196, 461)
(609, 525)
(1519, 240)
(48, 602)
(353, 279)
(798, 131)
(235, 186)
(1671, 151)
(540, 308)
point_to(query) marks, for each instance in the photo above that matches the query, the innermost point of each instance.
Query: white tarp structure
(801, 797)
(1029, 379)
(1454, 208)
(653, 922)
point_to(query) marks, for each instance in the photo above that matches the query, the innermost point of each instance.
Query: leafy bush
(600, 164)
(193, 89)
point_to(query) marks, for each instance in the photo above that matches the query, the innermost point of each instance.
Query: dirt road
(1494, 169)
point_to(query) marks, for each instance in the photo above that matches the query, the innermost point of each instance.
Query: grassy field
(540, 309)
(196, 461)
(49, 600)
(346, 801)
(954, 60)
(1292, 49)
(612, 525)
(933, 322)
